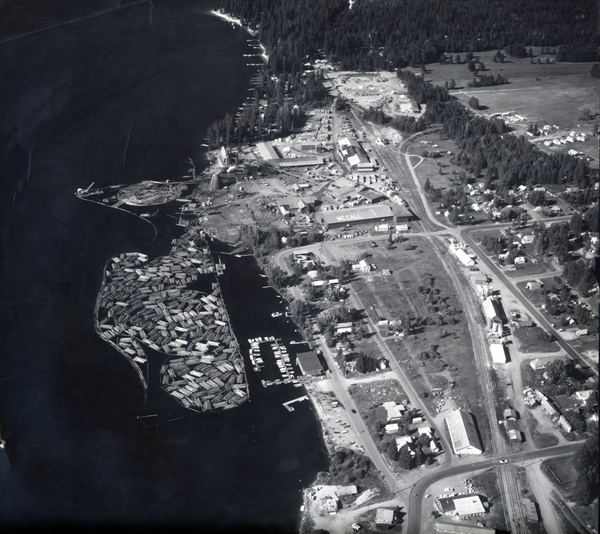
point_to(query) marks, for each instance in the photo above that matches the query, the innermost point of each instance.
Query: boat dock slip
(147, 303)
(282, 360)
(288, 405)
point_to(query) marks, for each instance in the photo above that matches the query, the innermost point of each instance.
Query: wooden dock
(288, 405)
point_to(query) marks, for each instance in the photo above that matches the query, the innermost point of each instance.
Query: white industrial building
(379, 213)
(492, 310)
(462, 256)
(498, 353)
(460, 505)
(267, 152)
(463, 433)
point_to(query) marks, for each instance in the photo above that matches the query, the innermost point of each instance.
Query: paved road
(402, 167)
(534, 312)
(340, 388)
(419, 489)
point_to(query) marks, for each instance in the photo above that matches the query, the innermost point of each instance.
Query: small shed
(532, 286)
(385, 516)
(531, 511)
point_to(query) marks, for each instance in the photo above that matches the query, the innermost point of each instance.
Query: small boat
(276, 314)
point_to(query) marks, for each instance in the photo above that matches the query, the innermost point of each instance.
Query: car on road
(353, 410)
(503, 461)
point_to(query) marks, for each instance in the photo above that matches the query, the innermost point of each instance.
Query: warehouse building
(377, 214)
(267, 152)
(301, 161)
(460, 505)
(443, 527)
(492, 310)
(354, 154)
(498, 353)
(309, 363)
(370, 196)
(463, 434)
(402, 214)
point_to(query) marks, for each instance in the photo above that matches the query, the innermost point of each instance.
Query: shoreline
(237, 22)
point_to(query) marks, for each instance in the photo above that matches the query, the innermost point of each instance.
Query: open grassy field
(534, 339)
(589, 514)
(373, 394)
(441, 172)
(567, 89)
(527, 269)
(588, 346)
(437, 352)
(541, 440)
(561, 473)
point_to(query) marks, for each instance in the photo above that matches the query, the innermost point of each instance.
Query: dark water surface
(114, 99)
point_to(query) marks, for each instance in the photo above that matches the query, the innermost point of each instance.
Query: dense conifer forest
(363, 37)
(391, 34)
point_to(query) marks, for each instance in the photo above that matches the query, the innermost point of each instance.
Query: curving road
(415, 502)
(398, 163)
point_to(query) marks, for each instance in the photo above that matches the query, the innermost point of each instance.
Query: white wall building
(463, 433)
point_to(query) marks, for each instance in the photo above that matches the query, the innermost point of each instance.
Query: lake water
(114, 99)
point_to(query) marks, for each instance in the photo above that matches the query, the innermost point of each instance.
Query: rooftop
(364, 213)
(309, 363)
(463, 433)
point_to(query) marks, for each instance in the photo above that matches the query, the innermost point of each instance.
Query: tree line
(275, 109)
(389, 34)
(506, 161)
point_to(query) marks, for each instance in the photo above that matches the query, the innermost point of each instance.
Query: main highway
(398, 163)
(533, 311)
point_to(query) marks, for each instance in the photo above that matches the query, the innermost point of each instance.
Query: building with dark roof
(402, 214)
(370, 195)
(531, 509)
(309, 363)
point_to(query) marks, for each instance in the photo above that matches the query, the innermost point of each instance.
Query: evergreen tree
(405, 460)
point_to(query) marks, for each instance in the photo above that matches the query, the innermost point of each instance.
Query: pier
(288, 405)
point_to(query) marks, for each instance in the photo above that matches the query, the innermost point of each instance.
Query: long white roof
(364, 213)
(491, 308)
(463, 433)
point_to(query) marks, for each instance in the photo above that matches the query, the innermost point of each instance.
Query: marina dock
(288, 405)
